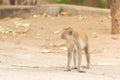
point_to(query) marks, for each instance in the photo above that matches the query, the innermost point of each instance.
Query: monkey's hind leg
(87, 57)
(79, 63)
(74, 59)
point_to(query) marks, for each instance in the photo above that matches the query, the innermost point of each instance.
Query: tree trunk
(115, 13)
(12, 2)
(93, 3)
(108, 3)
(72, 1)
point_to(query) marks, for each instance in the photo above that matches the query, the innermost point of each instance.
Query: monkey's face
(66, 34)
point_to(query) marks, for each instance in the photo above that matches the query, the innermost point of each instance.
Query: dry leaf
(63, 48)
(64, 14)
(45, 51)
(115, 38)
(99, 50)
(109, 16)
(36, 16)
(94, 34)
(21, 27)
(5, 29)
(56, 32)
(45, 15)
(81, 17)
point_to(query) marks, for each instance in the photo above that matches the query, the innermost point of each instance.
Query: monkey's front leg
(69, 61)
(79, 63)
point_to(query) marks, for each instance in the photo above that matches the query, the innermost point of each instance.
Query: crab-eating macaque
(76, 42)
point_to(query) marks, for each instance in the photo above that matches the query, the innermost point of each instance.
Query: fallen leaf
(21, 27)
(36, 16)
(95, 34)
(81, 17)
(5, 29)
(45, 15)
(56, 32)
(19, 24)
(115, 38)
(45, 51)
(109, 17)
(99, 50)
(64, 14)
(63, 48)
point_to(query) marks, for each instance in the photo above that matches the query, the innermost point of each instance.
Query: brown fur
(76, 42)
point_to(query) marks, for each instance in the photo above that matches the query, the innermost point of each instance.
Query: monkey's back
(83, 39)
(83, 36)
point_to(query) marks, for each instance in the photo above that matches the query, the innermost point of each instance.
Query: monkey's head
(67, 33)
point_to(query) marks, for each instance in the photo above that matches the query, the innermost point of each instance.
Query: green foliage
(102, 3)
(79, 2)
(62, 1)
(69, 1)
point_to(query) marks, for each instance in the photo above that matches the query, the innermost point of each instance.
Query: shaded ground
(21, 55)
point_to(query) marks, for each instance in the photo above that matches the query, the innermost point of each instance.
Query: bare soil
(39, 55)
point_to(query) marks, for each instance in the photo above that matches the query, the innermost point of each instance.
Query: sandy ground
(22, 57)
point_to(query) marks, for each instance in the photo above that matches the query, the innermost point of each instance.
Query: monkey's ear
(70, 33)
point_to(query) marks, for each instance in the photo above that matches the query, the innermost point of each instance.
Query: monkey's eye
(70, 32)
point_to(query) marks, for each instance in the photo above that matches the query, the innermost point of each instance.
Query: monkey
(75, 43)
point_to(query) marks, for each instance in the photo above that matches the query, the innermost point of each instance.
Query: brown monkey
(76, 42)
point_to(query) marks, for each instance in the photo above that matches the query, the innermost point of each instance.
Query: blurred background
(92, 3)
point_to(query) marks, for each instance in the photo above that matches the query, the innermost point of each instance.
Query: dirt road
(24, 65)
(32, 56)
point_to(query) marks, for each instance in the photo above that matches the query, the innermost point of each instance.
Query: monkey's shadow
(44, 69)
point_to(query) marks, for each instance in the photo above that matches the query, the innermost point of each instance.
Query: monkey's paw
(75, 67)
(81, 71)
(67, 70)
(87, 67)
